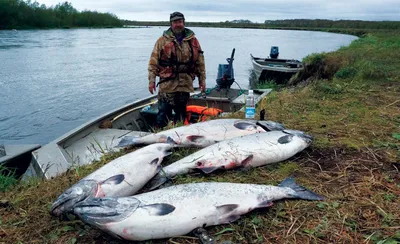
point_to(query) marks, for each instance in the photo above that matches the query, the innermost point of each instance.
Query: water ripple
(10, 46)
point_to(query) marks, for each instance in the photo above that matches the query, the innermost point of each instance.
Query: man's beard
(178, 31)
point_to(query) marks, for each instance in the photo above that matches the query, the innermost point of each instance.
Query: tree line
(338, 24)
(25, 14)
(285, 24)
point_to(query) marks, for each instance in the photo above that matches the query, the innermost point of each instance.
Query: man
(177, 59)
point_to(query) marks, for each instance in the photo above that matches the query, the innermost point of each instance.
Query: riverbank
(348, 100)
(350, 27)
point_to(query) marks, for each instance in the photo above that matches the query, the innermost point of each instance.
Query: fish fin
(227, 213)
(159, 209)
(285, 139)
(229, 218)
(244, 125)
(208, 170)
(154, 161)
(271, 125)
(170, 140)
(226, 208)
(157, 181)
(114, 180)
(247, 161)
(167, 150)
(195, 138)
(265, 204)
(128, 140)
(301, 192)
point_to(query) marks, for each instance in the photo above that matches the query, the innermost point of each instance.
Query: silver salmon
(122, 176)
(205, 133)
(247, 151)
(177, 210)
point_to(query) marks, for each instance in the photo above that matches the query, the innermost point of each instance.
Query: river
(51, 81)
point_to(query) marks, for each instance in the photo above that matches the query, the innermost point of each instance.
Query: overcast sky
(254, 10)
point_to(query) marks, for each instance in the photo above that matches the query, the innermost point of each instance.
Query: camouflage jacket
(176, 63)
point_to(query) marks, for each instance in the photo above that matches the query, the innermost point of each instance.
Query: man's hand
(202, 87)
(152, 87)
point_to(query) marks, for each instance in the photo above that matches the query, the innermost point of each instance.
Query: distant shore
(351, 27)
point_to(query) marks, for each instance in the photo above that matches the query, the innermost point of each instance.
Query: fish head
(269, 125)
(101, 211)
(306, 137)
(76, 193)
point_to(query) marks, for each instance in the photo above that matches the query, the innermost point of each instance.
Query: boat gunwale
(27, 148)
(100, 118)
(259, 68)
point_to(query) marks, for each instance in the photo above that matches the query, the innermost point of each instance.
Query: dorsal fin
(244, 125)
(159, 209)
(195, 138)
(114, 180)
(285, 139)
(154, 161)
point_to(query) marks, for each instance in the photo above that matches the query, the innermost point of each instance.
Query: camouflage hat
(175, 16)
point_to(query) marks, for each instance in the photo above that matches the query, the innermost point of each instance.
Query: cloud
(254, 10)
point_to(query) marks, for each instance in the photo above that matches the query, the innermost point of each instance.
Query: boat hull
(15, 159)
(277, 70)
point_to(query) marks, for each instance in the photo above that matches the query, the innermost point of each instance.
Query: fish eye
(199, 163)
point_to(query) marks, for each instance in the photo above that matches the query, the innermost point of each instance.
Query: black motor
(274, 52)
(225, 76)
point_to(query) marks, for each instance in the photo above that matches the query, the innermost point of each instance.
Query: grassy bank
(349, 100)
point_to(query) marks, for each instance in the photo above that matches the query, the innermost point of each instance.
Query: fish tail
(129, 140)
(301, 192)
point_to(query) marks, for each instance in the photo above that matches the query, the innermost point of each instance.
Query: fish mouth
(65, 203)
(306, 137)
(269, 125)
(105, 210)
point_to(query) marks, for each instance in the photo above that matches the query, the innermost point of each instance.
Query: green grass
(348, 100)
(270, 84)
(7, 179)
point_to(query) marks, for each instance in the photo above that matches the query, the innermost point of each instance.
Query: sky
(253, 10)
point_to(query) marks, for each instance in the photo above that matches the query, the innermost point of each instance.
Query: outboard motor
(2, 151)
(225, 73)
(274, 52)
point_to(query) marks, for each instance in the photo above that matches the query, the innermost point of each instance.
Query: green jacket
(176, 63)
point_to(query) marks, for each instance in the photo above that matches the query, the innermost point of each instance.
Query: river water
(51, 81)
